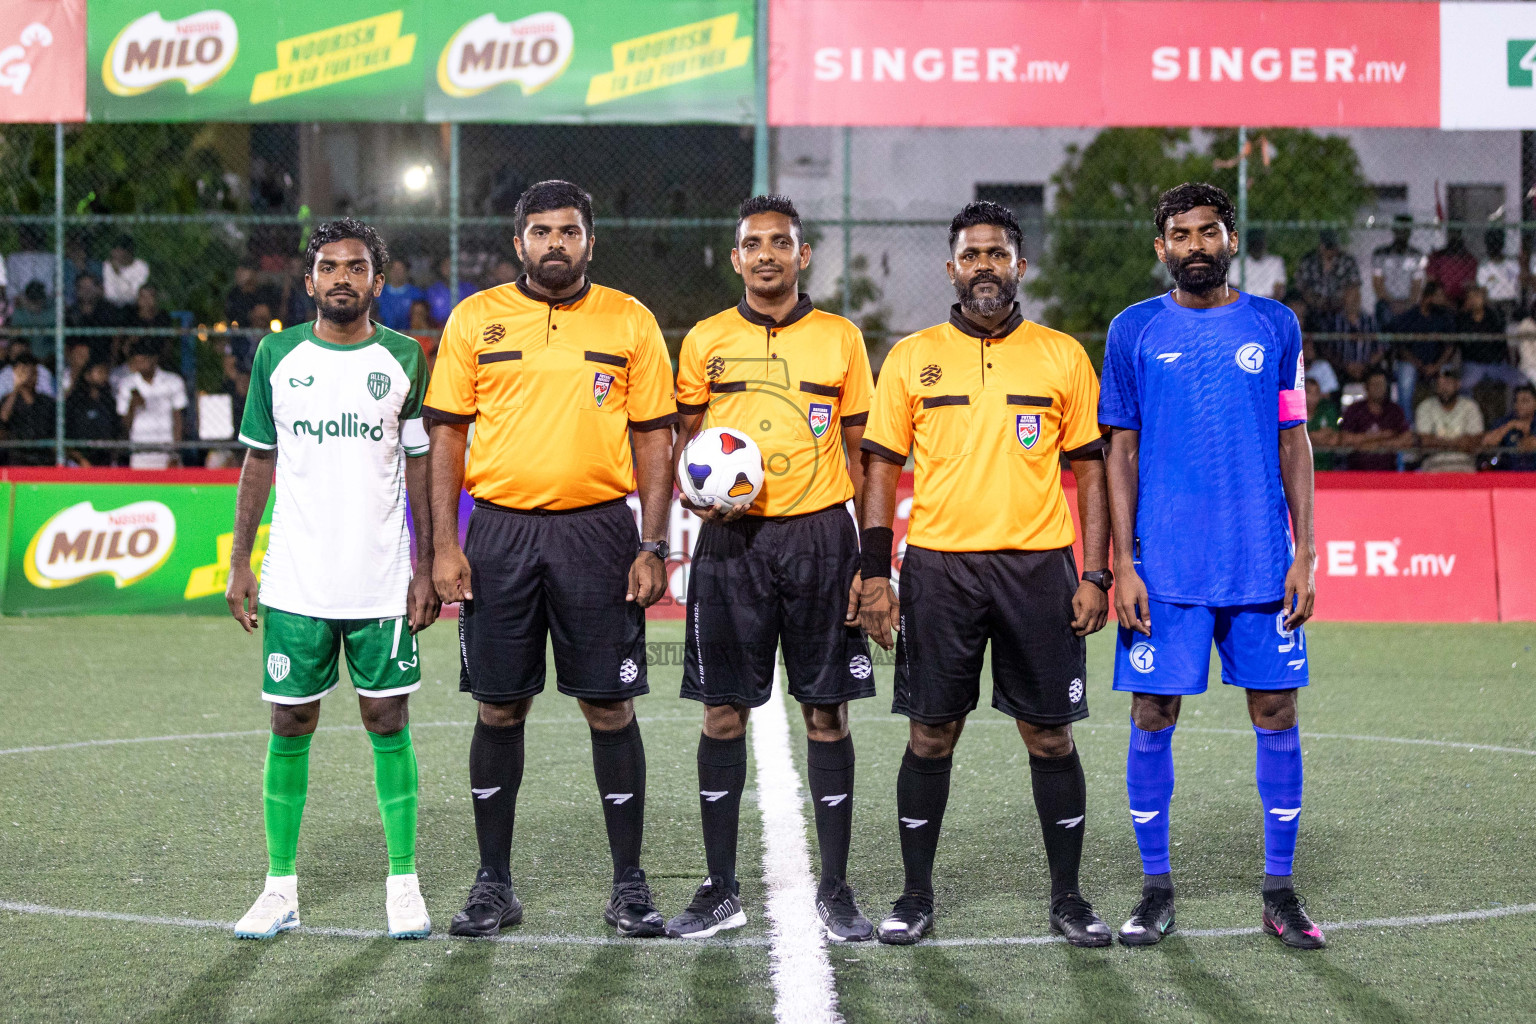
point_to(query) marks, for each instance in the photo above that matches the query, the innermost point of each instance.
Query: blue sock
(1277, 769)
(1149, 784)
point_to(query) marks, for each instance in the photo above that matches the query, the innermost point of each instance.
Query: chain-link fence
(182, 242)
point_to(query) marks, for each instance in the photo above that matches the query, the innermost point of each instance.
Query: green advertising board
(96, 548)
(413, 60)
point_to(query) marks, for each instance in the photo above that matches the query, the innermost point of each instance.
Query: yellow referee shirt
(553, 389)
(791, 386)
(990, 416)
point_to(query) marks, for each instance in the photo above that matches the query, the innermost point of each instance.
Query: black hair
(35, 290)
(340, 231)
(553, 194)
(1188, 196)
(984, 211)
(125, 243)
(1431, 287)
(24, 358)
(144, 347)
(1378, 371)
(772, 202)
(1527, 388)
(86, 274)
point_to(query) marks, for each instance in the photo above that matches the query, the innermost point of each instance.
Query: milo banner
(434, 60)
(109, 548)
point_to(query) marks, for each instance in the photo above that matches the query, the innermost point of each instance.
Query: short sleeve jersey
(1209, 390)
(553, 389)
(343, 418)
(791, 386)
(987, 417)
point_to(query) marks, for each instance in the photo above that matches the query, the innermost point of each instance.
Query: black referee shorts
(563, 575)
(952, 603)
(756, 583)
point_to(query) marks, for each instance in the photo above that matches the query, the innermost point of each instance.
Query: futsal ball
(720, 467)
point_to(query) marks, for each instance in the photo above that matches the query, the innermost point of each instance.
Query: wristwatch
(655, 547)
(1101, 578)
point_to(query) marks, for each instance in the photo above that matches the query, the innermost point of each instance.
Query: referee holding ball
(991, 402)
(569, 387)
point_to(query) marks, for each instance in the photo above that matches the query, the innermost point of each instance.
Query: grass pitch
(167, 834)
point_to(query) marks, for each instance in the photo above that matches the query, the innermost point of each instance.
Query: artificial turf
(172, 829)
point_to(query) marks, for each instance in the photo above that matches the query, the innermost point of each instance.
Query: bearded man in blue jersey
(1210, 482)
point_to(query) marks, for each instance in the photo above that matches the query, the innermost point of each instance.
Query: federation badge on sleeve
(1027, 424)
(601, 384)
(820, 418)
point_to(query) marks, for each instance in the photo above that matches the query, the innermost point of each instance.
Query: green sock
(394, 776)
(285, 785)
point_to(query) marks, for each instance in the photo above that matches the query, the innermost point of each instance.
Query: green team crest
(379, 385)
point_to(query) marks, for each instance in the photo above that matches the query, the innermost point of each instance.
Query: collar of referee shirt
(569, 300)
(958, 321)
(803, 309)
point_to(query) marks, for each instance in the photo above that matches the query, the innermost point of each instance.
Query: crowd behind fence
(142, 263)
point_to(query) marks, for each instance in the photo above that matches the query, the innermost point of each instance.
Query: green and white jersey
(343, 419)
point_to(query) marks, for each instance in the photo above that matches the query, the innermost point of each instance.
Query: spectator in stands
(1499, 276)
(150, 401)
(1266, 271)
(422, 328)
(1327, 276)
(90, 414)
(92, 311)
(26, 414)
(1376, 426)
(394, 302)
(76, 263)
(296, 305)
(1453, 266)
(1397, 271)
(77, 355)
(1488, 356)
(1360, 347)
(146, 312)
(1517, 431)
(4, 284)
(123, 274)
(1449, 422)
(34, 313)
(506, 272)
(15, 349)
(248, 292)
(1318, 368)
(1423, 359)
(32, 263)
(439, 302)
(1323, 415)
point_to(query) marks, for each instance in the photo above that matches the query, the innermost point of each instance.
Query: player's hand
(450, 574)
(851, 618)
(241, 596)
(1132, 605)
(879, 610)
(422, 604)
(1300, 590)
(647, 579)
(1090, 609)
(716, 513)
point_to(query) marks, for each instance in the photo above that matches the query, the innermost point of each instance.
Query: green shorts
(302, 656)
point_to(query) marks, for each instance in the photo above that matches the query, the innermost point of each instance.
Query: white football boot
(407, 910)
(274, 912)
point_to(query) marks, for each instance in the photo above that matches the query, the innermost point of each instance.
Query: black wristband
(875, 552)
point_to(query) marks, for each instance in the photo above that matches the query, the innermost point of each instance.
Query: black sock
(495, 773)
(1061, 800)
(722, 776)
(618, 761)
(1162, 881)
(1277, 884)
(831, 774)
(922, 790)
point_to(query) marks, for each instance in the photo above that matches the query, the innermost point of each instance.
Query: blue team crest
(820, 418)
(601, 384)
(1028, 426)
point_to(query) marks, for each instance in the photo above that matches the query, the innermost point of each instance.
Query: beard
(352, 308)
(788, 283)
(990, 305)
(555, 274)
(1199, 274)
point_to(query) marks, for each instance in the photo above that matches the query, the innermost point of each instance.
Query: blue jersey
(1209, 390)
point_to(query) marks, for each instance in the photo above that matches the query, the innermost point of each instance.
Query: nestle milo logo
(350, 425)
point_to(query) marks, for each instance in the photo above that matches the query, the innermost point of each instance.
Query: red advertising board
(42, 60)
(1045, 62)
(1514, 533)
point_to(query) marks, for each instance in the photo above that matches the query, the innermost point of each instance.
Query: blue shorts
(1257, 652)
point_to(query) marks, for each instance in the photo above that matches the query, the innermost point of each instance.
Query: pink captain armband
(1293, 405)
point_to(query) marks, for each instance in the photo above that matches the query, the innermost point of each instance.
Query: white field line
(803, 991)
(1306, 735)
(523, 939)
